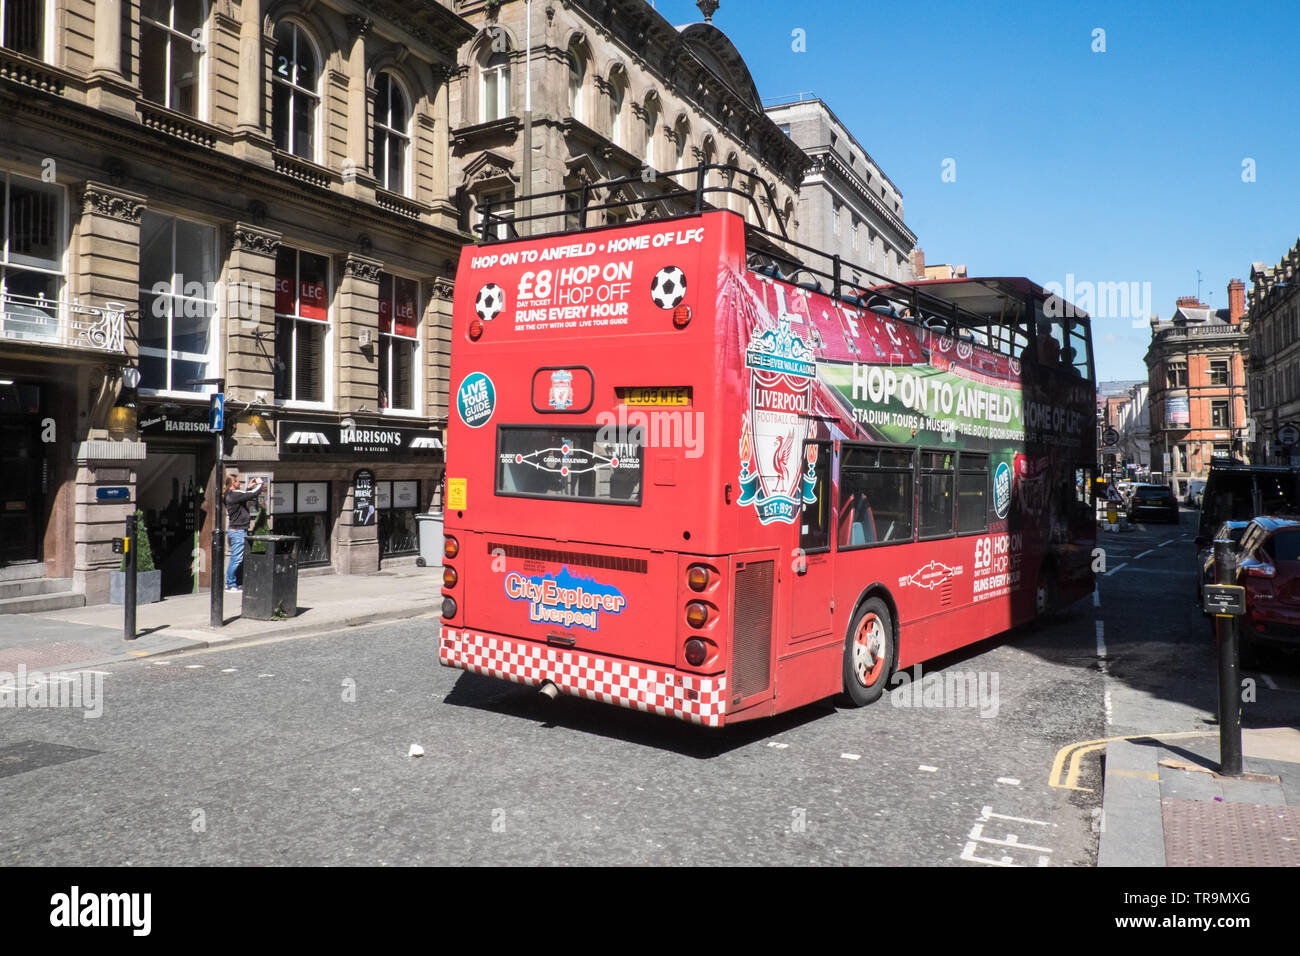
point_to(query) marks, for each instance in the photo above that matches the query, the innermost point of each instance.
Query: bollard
(1225, 631)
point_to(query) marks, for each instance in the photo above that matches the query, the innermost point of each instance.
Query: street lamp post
(216, 608)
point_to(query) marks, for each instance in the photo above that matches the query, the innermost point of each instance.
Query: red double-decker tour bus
(693, 469)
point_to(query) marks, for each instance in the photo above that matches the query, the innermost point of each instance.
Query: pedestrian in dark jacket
(237, 524)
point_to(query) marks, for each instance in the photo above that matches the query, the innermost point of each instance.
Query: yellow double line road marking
(1064, 778)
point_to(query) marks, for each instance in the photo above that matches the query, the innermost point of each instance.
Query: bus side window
(973, 493)
(936, 494)
(815, 520)
(875, 496)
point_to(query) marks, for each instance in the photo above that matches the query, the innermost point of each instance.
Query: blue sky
(1116, 166)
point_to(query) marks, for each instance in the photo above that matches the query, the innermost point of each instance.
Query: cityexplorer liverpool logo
(781, 372)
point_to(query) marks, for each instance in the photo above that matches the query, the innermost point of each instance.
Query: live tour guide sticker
(564, 599)
(476, 399)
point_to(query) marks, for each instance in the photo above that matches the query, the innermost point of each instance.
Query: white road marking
(777, 744)
(1144, 553)
(928, 769)
(265, 675)
(976, 837)
(987, 814)
(1116, 568)
(977, 834)
(193, 667)
(160, 663)
(1105, 704)
(1163, 543)
(1271, 684)
(229, 670)
(1101, 639)
(1096, 598)
(1009, 781)
(851, 756)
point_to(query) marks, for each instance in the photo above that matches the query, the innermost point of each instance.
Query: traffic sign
(1289, 434)
(1109, 436)
(217, 412)
(1225, 599)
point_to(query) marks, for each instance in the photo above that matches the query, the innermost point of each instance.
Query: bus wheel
(868, 653)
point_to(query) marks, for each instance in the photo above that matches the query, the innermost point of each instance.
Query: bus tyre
(869, 653)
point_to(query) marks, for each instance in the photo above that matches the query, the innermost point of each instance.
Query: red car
(1268, 567)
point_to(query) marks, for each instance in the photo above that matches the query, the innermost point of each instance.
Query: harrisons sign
(313, 439)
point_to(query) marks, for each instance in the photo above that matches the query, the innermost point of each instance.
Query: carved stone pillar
(107, 90)
(358, 321)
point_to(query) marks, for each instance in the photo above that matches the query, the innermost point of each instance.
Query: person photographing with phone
(237, 516)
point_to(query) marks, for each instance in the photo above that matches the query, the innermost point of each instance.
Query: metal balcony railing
(64, 324)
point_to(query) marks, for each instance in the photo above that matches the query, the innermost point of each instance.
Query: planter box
(148, 587)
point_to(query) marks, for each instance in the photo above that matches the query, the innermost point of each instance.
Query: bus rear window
(568, 463)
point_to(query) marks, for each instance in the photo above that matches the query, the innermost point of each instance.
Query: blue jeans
(235, 539)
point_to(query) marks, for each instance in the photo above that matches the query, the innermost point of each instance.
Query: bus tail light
(1261, 570)
(696, 614)
(681, 316)
(449, 607)
(696, 652)
(697, 577)
(450, 547)
(475, 330)
(449, 577)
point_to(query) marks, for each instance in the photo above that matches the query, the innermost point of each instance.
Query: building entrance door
(169, 494)
(22, 501)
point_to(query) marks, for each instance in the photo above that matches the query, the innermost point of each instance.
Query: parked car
(1228, 531)
(1268, 567)
(1153, 502)
(1195, 492)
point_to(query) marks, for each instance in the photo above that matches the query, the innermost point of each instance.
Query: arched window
(392, 133)
(651, 126)
(577, 77)
(617, 94)
(295, 75)
(494, 88)
(683, 136)
(171, 34)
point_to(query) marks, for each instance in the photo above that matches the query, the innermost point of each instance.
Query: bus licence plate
(678, 395)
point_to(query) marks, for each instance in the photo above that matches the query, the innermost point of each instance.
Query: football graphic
(669, 287)
(491, 300)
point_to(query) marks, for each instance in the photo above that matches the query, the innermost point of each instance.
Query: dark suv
(1153, 501)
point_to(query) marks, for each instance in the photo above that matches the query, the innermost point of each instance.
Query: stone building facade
(1274, 368)
(1197, 399)
(616, 91)
(847, 205)
(252, 191)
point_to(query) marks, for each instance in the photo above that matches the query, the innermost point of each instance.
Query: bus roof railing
(769, 253)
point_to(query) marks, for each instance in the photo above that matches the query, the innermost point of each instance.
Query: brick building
(254, 191)
(1197, 399)
(1274, 369)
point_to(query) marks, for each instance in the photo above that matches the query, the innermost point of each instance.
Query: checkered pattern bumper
(659, 690)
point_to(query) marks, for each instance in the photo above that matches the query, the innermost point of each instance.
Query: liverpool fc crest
(772, 478)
